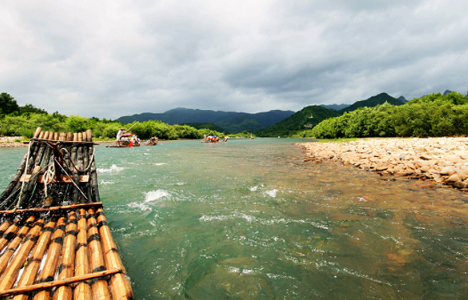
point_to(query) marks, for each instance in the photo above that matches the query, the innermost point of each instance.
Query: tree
(29, 108)
(8, 104)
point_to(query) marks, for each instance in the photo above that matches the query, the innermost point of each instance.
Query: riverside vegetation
(18, 120)
(433, 115)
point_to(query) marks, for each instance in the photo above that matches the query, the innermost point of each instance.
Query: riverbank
(442, 161)
(12, 141)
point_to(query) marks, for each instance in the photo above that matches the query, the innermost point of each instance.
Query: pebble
(441, 160)
(9, 141)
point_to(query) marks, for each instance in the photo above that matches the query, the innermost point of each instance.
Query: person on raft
(120, 133)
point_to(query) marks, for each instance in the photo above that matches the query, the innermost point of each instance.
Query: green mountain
(372, 101)
(307, 118)
(232, 122)
(205, 125)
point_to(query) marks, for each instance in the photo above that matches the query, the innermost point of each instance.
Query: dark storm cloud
(115, 58)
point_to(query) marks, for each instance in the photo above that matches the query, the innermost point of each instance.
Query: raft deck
(54, 238)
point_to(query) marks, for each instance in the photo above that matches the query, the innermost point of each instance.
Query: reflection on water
(248, 219)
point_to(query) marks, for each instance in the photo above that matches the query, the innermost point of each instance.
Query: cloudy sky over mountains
(113, 58)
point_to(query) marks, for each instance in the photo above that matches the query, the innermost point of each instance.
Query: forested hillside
(432, 115)
(232, 122)
(18, 120)
(371, 102)
(308, 117)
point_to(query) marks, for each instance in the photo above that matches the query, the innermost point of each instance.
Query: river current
(249, 219)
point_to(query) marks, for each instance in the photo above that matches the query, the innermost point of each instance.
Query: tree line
(18, 120)
(434, 115)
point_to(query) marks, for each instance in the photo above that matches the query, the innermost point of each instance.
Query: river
(249, 219)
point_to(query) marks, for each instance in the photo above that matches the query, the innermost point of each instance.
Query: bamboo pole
(53, 208)
(39, 151)
(41, 135)
(96, 258)
(39, 154)
(53, 255)
(86, 157)
(13, 245)
(76, 176)
(94, 180)
(120, 287)
(30, 273)
(67, 266)
(86, 187)
(82, 290)
(69, 136)
(37, 132)
(11, 273)
(29, 187)
(89, 135)
(8, 235)
(50, 285)
(4, 227)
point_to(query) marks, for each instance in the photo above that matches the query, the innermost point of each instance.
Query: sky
(121, 57)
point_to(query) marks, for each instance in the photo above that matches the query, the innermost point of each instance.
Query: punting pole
(53, 208)
(57, 283)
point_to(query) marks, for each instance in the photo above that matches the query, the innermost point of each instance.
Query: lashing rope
(48, 176)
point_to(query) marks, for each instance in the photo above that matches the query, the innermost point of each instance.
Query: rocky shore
(9, 141)
(442, 161)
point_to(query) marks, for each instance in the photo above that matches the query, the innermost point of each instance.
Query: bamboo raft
(55, 242)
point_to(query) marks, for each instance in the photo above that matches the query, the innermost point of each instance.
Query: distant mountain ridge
(232, 122)
(335, 106)
(372, 101)
(306, 118)
(310, 116)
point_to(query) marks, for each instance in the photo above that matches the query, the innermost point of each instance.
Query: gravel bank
(443, 161)
(9, 141)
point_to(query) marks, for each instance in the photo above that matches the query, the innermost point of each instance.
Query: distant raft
(54, 238)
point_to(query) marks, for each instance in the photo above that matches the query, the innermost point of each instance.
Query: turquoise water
(248, 219)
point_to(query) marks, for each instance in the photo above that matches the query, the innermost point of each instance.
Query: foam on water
(105, 182)
(156, 195)
(271, 193)
(112, 169)
(151, 198)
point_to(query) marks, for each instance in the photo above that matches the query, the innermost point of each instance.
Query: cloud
(122, 57)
